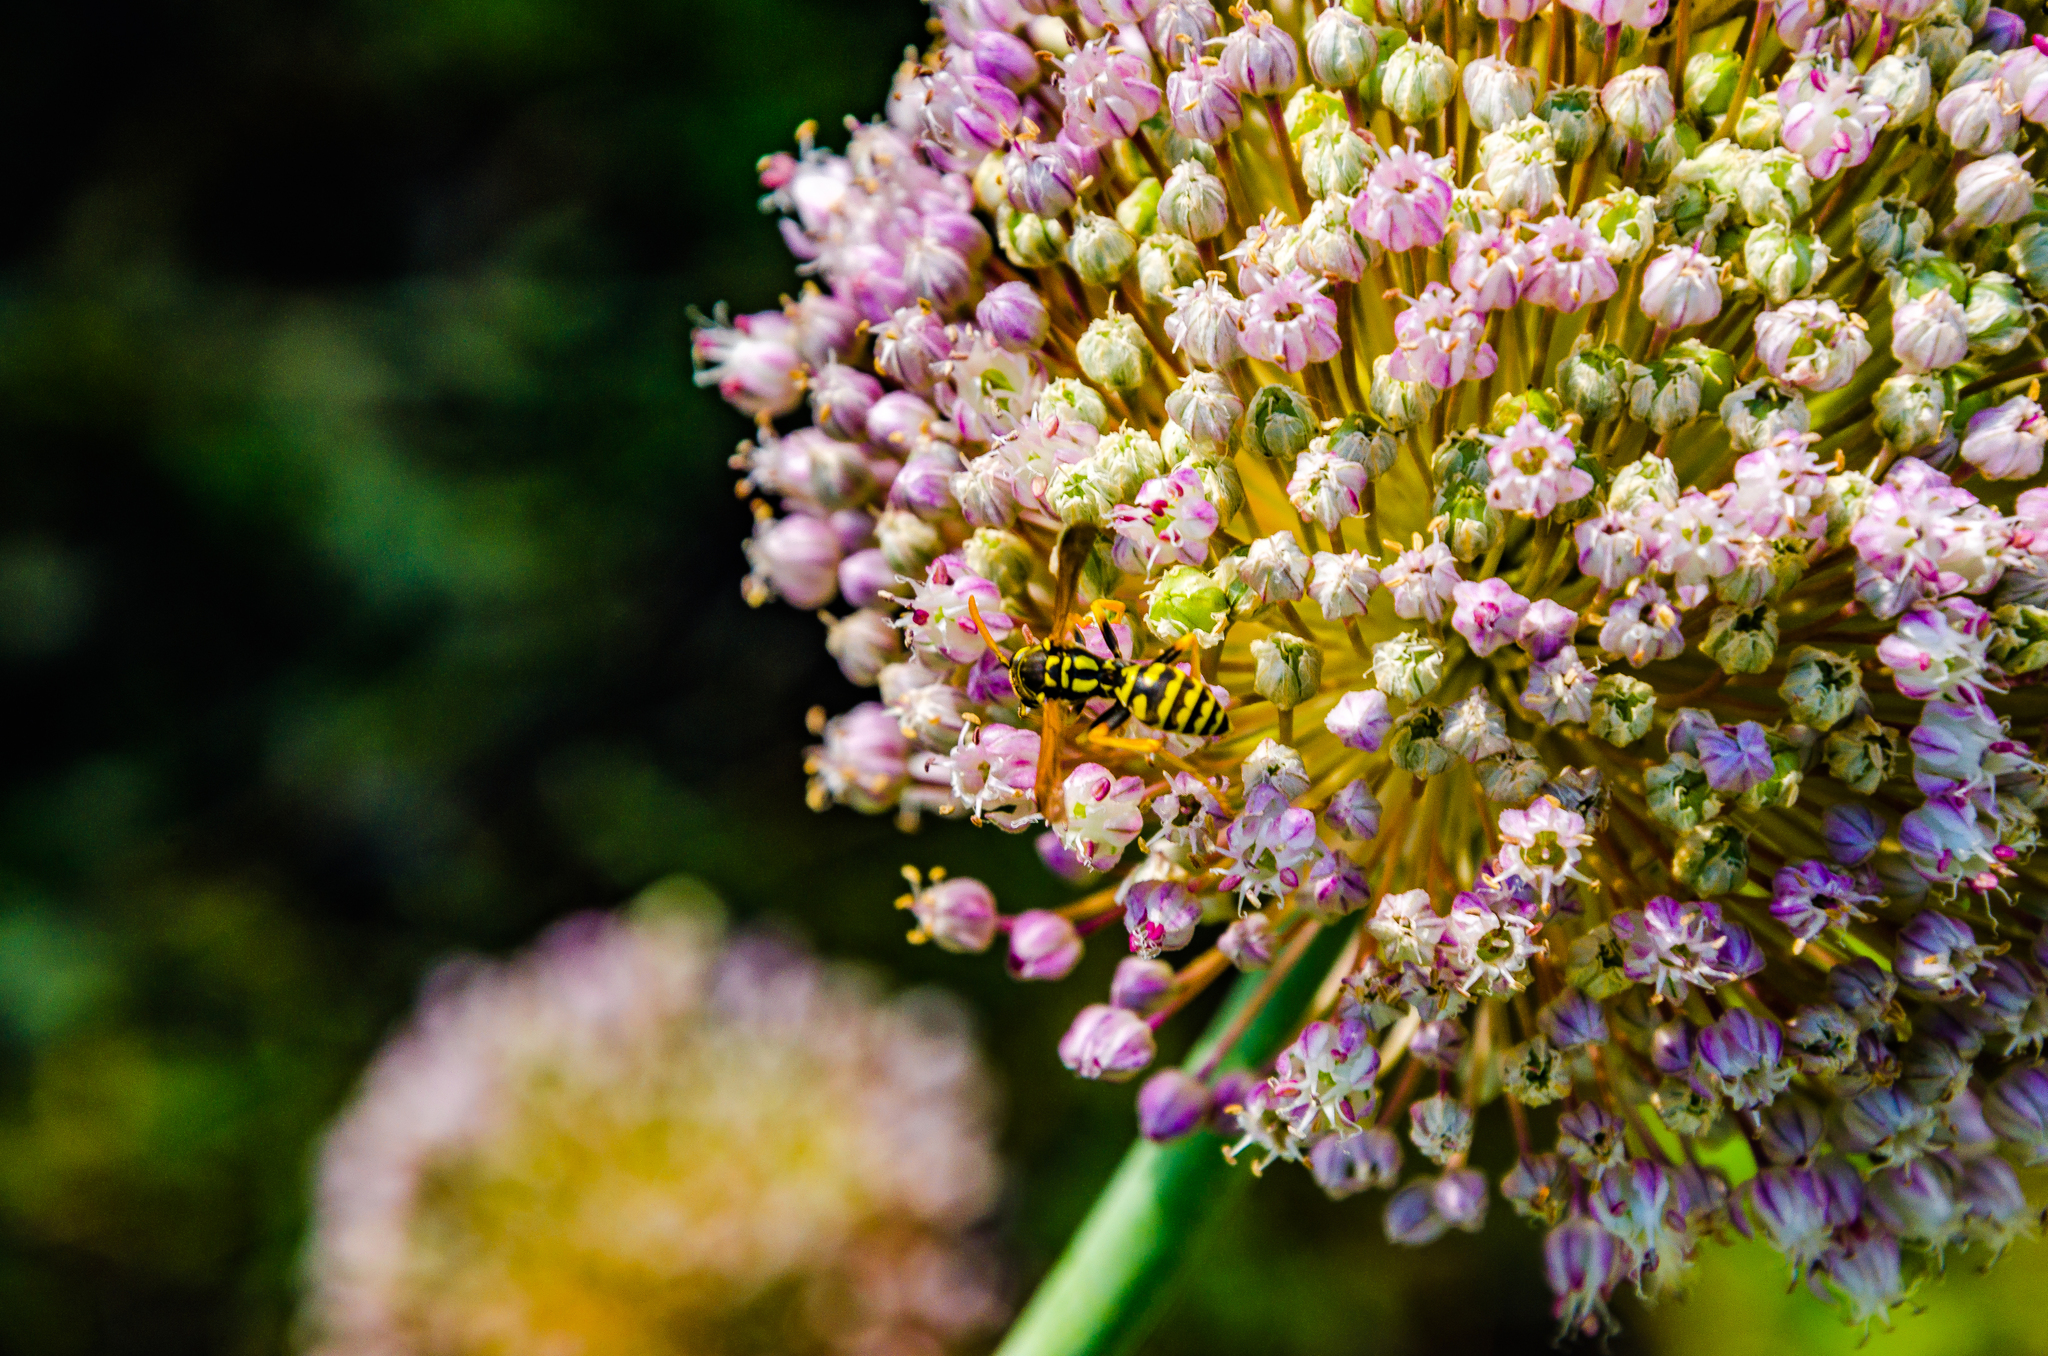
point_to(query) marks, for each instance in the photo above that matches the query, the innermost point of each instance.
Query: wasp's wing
(1070, 557)
(1052, 732)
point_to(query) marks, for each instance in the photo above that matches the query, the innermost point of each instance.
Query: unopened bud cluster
(1591, 451)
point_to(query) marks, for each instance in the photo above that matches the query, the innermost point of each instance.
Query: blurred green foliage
(368, 590)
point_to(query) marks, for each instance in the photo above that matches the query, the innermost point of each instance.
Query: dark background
(368, 591)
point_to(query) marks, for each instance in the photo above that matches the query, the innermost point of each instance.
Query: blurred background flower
(367, 595)
(636, 1138)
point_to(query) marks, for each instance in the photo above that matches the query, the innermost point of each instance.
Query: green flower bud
(1113, 352)
(2019, 637)
(1889, 231)
(1678, 793)
(1783, 262)
(908, 543)
(1459, 462)
(1138, 213)
(1334, 159)
(1084, 491)
(1410, 666)
(1860, 754)
(1186, 601)
(1775, 187)
(1756, 127)
(1545, 405)
(1846, 494)
(1418, 81)
(1194, 203)
(1071, 400)
(1221, 484)
(1514, 777)
(1415, 744)
(1623, 708)
(1166, 262)
(1595, 964)
(1001, 557)
(1941, 40)
(1781, 788)
(1388, 40)
(1904, 84)
(1129, 457)
(1712, 859)
(1340, 50)
(1592, 381)
(2028, 255)
(1710, 80)
(1400, 405)
(1649, 479)
(1625, 219)
(1911, 410)
(1358, 439)
(1535, 1073)
(1821, 688)
(1310, 109)
(1717, 369)
(1683, 1108)
(1671, 148)
(1976, 65)
(1577, 124)
(1756, 413)
(1923, 273)
(1102, 251)
(1100, 578)
(1029, 241)
(1469, 524)
(1998, 315)
(1280, 422)
(1665, 395)
(1742, 640)
(1286, 670)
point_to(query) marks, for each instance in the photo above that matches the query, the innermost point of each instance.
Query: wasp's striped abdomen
(1062, 673)
(1165, 698)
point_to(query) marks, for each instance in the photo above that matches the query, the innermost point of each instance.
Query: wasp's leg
(1145, 746)
(1106, 611)
(1111, 719)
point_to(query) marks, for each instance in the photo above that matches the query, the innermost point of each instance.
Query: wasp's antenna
(974, 611)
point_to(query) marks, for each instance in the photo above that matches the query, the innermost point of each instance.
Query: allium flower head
(576, 1151)
(1616, 550)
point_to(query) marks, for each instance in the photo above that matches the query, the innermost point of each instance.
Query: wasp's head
(1027, 675)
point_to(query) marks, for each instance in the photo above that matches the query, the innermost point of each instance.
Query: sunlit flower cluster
(1590, 449)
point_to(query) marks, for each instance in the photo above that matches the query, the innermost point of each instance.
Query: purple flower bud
(1864, 1269)
(1359, 720)
(1572, 1019)
(1004, 58)
(1936, 956)
(1440, 1126)
(1043, 945)
(1546, 628)
(1537, 1187)
(795, 558)
(1160, 915)
(1014, 316)
(1740, 955)
(1170, 1105)
(1344, 1165)
(1411, 1218)
(899, 419)
(1582, 1262)
(841, 397)
(1993, 1206)
(1742, 1057)
(1591, 1138)
(1790, 1206)
(1248, 942)
(1439, 1044)
(1671, 1047)
(1459, 1199)
(1061, 860)
(1790, 1130)
(1932, 1070)
(1336, 887)
(1139, 984)
(2001, 30)
(1963, 1127)
(1107, 1043)
(1259, 58)
(2016, 1108)
(1687, 725)
(1734, 760)
(1885, 1123)
(958, 913)
(1355, 812)
(1912, 1200)
(909, 346)
(2008, 992)
(1863, 989)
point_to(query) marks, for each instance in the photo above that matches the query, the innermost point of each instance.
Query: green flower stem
(1121, 1266)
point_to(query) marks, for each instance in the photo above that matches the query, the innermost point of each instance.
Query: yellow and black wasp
(1057, 674)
